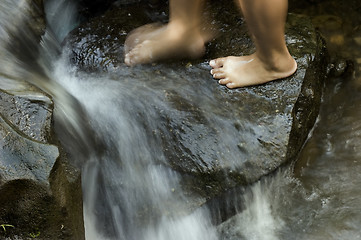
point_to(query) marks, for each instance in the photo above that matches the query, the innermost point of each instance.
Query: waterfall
(129, 192)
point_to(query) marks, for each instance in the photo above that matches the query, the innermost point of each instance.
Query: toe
(224, 81)
(127, 59)
(130, 58)
(218, 73)
(134, 56)
(217, 63)
(231, 85)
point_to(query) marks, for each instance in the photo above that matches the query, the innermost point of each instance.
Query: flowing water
(130, 193)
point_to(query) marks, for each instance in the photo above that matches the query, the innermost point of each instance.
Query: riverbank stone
(218, 138)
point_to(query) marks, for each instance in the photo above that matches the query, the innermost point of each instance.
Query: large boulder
(218, 138)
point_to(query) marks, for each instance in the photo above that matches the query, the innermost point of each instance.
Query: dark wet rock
(98, 44)
(30, 113)
(218, 138)
(36, 16)
(40, 192)
(338, 67)
(34, 160)
(295, 4)
(90, 8)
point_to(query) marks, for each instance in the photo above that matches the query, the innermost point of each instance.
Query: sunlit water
(130, 193)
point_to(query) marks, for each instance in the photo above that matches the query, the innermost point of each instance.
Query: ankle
(183, 30)
(278, 62)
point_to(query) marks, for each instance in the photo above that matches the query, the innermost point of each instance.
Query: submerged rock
(218, 138)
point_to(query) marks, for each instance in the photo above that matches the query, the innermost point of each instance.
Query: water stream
(130, 193)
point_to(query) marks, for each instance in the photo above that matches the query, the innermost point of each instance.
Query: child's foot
(244, 71)
(153, 44)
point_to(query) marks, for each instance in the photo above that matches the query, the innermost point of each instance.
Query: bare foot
(141, 34)
(244, 71)
(151, 44)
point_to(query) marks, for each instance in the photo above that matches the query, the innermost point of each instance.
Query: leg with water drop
(180, 38)
(266, 22)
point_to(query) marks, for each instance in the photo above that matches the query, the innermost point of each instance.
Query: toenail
(212, 62)
(211, 71)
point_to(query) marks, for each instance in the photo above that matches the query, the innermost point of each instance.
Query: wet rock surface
(219, 138)
(29, 111)
(35, 160)
(40, 191)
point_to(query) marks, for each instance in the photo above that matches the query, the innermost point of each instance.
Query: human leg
(266, 21)
(181, 37)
